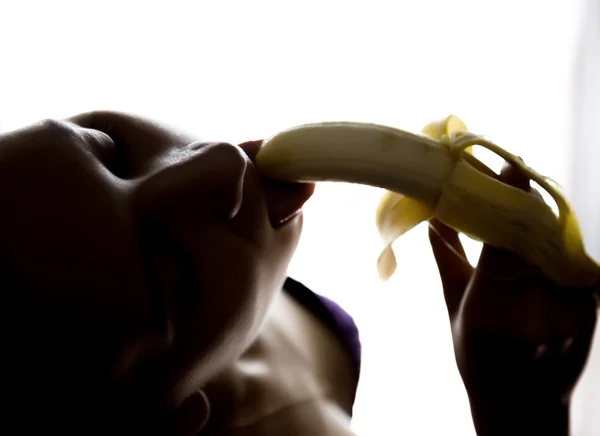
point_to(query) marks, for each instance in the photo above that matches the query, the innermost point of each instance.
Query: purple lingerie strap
(333, 316)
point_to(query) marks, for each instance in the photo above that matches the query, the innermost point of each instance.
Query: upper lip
(284, 199)
(251, 148)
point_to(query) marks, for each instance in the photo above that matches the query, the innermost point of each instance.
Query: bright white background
(243, 70)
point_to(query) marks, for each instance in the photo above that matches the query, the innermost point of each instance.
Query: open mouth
(284, 200)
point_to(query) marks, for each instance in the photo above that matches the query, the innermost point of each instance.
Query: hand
(137, 261)
(520, 341)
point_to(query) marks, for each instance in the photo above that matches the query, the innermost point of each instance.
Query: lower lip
(285, 200)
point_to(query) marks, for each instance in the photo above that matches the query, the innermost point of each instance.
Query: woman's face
(129, 242)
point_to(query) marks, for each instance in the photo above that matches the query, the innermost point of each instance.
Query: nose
(209, 180)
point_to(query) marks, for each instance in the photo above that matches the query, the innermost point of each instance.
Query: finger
(139, 141)
(455, 270)
(513, 176)
(500, 263)
(586, 319)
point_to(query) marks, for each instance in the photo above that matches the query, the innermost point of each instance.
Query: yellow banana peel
(434, 174)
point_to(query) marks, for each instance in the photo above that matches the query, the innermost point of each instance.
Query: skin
(521, 341)
(141, 265)
(138, 261)
(295, 375)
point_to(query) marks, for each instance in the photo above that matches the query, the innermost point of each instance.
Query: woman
(143, 269)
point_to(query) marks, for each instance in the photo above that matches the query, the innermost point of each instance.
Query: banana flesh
(368, 154)
(434, 174)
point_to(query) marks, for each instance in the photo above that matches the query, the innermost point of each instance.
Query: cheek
(230, 278)
(229, 288)
(219, 311)
(74, 245)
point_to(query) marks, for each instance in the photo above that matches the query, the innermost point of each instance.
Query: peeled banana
(434, 174)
